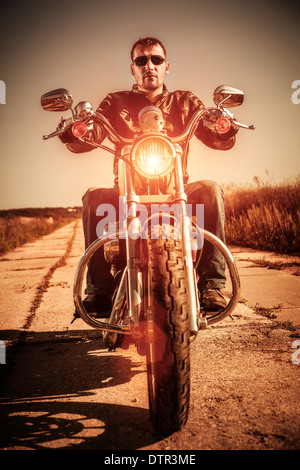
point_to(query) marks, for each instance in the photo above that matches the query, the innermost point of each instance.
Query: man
(149, 68)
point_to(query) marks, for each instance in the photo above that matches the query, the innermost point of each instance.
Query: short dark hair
(149, 42)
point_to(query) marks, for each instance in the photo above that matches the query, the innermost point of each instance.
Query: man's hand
(65, 126)
(212, 117)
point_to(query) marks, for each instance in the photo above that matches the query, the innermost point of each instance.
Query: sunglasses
(143, 60)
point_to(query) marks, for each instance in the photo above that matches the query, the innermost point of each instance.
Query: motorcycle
(153, 256)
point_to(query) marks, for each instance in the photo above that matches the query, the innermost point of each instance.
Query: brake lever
(64, 123)
(243, 126)
(54, 134)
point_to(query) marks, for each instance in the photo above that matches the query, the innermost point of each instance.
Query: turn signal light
(79, 129)
(223, 125)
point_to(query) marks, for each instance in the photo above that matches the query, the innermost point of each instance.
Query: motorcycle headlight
(153, 156)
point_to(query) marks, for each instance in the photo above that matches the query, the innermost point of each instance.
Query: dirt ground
(60, 389)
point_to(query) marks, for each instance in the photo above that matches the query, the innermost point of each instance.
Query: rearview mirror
(228, 96)
(57, 100)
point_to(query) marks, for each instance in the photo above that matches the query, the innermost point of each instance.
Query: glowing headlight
(153, 157)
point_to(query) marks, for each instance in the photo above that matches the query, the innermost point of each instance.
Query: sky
(84, 46)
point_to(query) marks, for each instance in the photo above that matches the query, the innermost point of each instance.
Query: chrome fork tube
(193, 305)
(133, 255)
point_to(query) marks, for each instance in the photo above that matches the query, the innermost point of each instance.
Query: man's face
(149, 76)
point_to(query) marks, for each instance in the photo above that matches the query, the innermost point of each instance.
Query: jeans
(211, 269)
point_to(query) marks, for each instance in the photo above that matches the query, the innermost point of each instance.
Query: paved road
(60, 389)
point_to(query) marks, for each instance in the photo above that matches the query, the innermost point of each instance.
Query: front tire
(168, 352)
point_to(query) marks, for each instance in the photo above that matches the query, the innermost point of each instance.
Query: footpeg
(202, 323)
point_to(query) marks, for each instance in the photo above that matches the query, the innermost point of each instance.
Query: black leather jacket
(122, 109)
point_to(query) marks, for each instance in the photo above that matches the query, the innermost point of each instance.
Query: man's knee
(96, 196)
(203, 191)
(97, 193)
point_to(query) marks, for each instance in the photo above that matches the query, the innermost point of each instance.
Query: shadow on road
(71, 426)
(55, 395)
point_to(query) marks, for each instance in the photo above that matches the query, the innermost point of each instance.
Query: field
(264, 216)
(19, 226)
(261, 216)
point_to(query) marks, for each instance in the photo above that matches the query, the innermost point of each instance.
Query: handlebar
(112, 134)
(181, 137)
(114, 137)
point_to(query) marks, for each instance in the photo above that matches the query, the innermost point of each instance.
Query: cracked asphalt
(61, 389)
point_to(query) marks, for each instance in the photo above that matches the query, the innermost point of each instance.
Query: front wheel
(168, 352)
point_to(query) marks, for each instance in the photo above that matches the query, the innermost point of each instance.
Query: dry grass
(264, 216)
(24, 225)
(261, 216)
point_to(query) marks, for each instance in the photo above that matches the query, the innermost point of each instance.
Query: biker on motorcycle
(149, 68)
